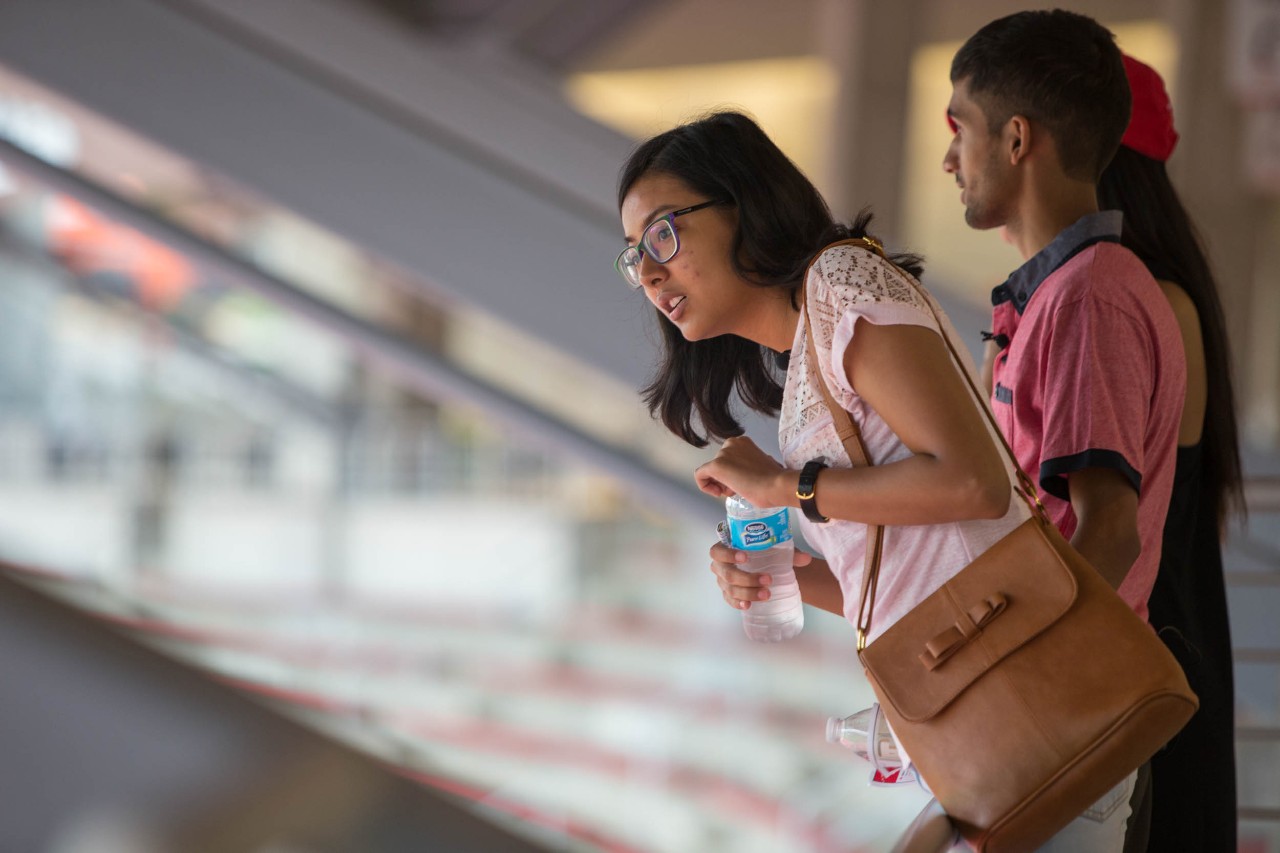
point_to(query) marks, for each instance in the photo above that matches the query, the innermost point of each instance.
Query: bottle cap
(722, 530)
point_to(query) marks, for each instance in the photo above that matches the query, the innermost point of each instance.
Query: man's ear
(1017, 138)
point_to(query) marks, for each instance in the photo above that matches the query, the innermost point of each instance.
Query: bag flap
(1010, 594)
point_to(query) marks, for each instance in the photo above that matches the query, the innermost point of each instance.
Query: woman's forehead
(650, 197)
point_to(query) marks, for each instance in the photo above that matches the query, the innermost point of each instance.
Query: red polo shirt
(1093, 376)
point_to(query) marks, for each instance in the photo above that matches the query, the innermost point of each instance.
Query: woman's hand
(742, 468)
(738, 586)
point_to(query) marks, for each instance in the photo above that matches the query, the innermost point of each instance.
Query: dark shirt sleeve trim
(1053, 471)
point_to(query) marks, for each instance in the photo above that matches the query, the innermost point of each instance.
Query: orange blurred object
(89, 243)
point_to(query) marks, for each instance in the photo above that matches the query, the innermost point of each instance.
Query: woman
(721, 228)
(1193, 779)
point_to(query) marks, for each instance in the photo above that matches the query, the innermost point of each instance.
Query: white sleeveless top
(845, 284)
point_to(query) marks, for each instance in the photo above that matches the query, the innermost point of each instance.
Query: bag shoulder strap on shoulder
(855, 447)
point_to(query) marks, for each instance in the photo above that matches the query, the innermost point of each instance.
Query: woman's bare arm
(906, 374)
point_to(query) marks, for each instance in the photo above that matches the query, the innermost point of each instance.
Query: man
(1088, 369)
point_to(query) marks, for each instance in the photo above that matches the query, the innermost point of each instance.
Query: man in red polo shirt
(1089, 371)
(1090, 376)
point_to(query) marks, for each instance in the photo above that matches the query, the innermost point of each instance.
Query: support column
(870, 46)
(1236, 221)
(1259, 366)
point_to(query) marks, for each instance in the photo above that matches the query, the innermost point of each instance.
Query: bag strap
(851, 436)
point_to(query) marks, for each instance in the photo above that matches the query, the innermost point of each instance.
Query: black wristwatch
(805, 490)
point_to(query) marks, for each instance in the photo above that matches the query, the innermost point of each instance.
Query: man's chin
(979, 221)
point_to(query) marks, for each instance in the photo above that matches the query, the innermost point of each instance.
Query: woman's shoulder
(1184, 308)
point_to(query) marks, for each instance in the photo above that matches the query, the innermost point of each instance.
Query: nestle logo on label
(756, 532)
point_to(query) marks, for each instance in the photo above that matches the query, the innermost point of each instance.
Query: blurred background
(315, 377)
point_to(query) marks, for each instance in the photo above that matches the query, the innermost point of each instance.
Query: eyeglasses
(659, 241)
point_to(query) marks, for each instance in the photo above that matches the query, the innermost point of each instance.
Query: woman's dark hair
(1158, 230)
(782, 223)
(1059, 68)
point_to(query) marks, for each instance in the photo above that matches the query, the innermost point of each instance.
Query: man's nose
(949, 160)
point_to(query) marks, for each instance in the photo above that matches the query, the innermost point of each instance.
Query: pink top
(847, 284)
(1093, 376)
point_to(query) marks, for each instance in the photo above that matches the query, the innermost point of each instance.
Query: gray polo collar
(1101, 227)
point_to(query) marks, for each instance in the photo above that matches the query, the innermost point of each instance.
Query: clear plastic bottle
(859, 731)
(765, 534)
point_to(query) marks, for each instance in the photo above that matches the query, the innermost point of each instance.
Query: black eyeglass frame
(669, 218)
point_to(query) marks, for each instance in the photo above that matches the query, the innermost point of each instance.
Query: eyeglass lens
(659, 242)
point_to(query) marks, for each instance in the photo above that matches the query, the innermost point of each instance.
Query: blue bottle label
(759, 534)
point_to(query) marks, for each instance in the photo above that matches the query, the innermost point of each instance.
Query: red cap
(1150, 130)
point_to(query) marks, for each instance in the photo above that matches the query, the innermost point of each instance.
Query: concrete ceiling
(569, 35)
(553, 33)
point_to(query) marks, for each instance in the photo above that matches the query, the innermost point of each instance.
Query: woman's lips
(677, 308)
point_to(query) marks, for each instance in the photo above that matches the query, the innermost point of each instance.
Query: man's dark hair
(1061, 70)
(782, 223)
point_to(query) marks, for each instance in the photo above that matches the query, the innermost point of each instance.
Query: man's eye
(951, 123)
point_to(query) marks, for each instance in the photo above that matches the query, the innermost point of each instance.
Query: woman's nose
(651, 272)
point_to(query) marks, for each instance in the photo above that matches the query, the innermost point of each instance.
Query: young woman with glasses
(720, 229)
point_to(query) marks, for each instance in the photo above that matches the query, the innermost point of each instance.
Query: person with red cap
(1087, 365)
(1193, 802)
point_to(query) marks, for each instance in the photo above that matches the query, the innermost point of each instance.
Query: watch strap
(805, 490)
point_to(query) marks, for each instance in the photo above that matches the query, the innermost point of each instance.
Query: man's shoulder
(1104, 272)
(1100, 262)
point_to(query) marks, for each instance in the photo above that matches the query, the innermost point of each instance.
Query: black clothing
(1193, 779)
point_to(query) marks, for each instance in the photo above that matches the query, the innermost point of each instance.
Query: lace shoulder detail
(848, 278)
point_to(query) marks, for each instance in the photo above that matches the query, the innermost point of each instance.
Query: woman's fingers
(741, 597)
(712, 486)
(738, 587)
(740, 467)
(722, 553)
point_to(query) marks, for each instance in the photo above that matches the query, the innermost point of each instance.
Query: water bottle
(866, 733)
(765, 534)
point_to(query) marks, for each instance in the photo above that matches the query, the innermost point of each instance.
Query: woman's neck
(773, 324)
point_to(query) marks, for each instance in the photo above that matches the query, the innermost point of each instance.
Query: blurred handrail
(299, 399)
(424, 371)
